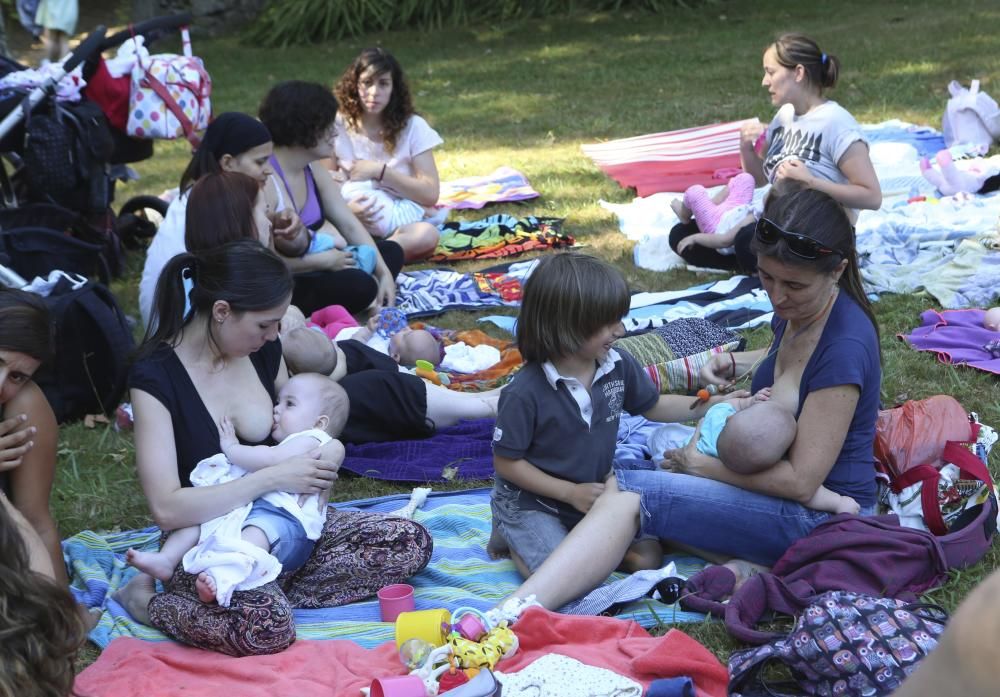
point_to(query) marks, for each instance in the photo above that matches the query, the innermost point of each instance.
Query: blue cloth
(633, 434)
(364, 255)
(320, 242)
(925, 139)
(712, 425)
(741, 523)
(671, 687)
(847, 354)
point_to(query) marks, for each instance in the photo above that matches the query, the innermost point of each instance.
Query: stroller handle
(89, 46)
(158, 26)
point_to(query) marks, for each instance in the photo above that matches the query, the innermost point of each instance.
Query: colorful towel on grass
(481, 380)
(499, 236)
(460, 573)
(461, 452)
(502, 184)
(433, 291)
(958, 337)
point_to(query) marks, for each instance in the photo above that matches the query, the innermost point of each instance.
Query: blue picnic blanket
(459, 574)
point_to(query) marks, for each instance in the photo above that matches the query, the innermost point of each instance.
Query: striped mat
(459, 574)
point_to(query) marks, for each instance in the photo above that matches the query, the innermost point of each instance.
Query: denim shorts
(531, 534)
(289, 543)
(717, 517)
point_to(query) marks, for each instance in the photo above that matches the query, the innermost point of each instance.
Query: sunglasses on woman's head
(803, 246)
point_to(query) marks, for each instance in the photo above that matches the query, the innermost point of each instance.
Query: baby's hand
(227, 435)
(583, 495)
(763, 394)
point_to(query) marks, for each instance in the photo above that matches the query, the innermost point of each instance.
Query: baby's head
(410, 345)
(755, 438)
(308, 351)
(310, 400)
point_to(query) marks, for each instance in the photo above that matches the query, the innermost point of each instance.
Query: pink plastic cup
(395, 599)
(399, 686)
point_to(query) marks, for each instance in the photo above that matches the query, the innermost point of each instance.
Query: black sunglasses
(803, 246)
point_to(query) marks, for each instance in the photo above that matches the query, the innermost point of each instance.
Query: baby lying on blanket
(251, 545)
(401, 343)
(720, 217)
(751, 434)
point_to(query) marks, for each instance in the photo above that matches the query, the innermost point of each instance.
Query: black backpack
(93, 341)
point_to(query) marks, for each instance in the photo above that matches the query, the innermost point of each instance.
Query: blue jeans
(717, 517)
(289, 543)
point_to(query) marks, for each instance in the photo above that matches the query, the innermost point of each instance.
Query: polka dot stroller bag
(170, 96)
(842, 644)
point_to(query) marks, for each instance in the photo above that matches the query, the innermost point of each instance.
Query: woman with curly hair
(40, 626)
(301, 119)
(385, 154)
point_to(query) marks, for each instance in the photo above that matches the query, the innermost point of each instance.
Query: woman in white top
(233, 142)
(385, 154)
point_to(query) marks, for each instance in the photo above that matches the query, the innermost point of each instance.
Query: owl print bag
(842, 644)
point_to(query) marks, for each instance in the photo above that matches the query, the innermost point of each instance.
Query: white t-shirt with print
(818, 138)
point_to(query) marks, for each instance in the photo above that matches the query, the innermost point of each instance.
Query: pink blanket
(324, 668)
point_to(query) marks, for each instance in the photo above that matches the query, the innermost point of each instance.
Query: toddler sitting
(751, 434)
(251, 545)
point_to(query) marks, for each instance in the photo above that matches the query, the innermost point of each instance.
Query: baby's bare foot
(497, 547)
(680, 210)
(155, 564)
(205, 585)
(135, 595)
(848, 505)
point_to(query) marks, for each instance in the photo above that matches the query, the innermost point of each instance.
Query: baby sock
(707, 213)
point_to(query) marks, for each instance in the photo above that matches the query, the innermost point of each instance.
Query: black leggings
(352, 288)
(744, 260)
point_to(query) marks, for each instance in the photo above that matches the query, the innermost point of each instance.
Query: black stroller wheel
(139, 219)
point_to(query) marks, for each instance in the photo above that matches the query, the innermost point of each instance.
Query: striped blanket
(671, 161)
(502, 184)
(459, 574)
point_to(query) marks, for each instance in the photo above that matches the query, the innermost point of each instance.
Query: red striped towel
(671, 161)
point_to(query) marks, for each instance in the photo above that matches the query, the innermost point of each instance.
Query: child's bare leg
(519, 564)
(446, 407)
(205, 584)
(744, 570)
(721, 195)
(161, 564)
(643, 554)
(682, 212)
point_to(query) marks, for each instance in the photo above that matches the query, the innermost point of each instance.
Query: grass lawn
(527, 95)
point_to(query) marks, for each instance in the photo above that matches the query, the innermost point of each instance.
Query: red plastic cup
(395, 599)
(399, 686)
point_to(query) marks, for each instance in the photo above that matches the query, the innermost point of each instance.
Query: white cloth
(167, 243)
(234, 563)
(377, 341)
(556, 675)
(462, 358)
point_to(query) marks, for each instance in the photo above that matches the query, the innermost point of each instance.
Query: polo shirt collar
(553, 376)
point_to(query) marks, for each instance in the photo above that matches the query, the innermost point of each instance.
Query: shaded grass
(528, 93)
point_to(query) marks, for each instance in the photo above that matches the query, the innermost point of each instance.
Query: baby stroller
(59, 163)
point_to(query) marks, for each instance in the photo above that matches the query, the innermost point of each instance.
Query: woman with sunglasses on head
(812, 142)
(823, 365)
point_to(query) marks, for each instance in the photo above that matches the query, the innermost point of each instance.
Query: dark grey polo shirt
(539, 420)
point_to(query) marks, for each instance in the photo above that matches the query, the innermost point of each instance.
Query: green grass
(527, 94)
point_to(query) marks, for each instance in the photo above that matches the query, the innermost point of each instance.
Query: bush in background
(286, 22)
